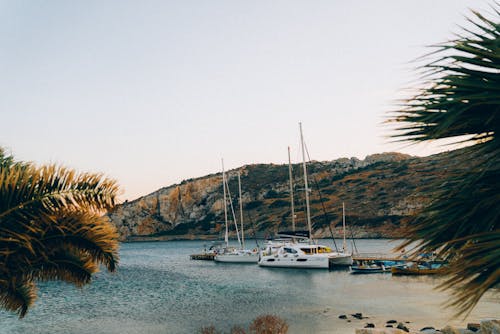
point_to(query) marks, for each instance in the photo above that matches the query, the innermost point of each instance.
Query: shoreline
(214, 239)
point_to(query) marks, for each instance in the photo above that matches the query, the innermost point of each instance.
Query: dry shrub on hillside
(269, 324)
(264, 324)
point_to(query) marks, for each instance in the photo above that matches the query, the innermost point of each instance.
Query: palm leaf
(51, 228)
(462, 98)
(17, 297)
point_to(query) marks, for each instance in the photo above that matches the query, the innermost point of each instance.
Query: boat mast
(241, 212)
(232, 211)
(226, 236)
(291, 189)
(308, 211)
(344, 244)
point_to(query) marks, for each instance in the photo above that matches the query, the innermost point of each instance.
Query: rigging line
(234, 215)
(352, 240)
(253, 228)
(325, 213)
(320, 196)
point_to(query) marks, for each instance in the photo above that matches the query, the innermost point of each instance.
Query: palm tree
(51, 228)
(461, 102)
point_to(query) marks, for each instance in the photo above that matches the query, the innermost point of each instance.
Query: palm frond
(67, 265)
(89, 233)
(17, 297)
(51, 228)
(462, 99)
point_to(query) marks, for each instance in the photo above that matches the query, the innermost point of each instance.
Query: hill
(380, 193)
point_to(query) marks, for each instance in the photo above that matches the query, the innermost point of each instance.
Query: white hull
(301, 261)
(295, 255)
(341, 259)
(237, 258)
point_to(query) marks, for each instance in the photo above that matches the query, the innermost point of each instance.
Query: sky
(151, 93)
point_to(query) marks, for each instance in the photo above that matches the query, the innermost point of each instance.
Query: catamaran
(301, 252)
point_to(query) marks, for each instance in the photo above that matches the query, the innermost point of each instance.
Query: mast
(344, 244)
(232, 211)
(308, 211)
(226, 236)
(241, 212)
(291, 189)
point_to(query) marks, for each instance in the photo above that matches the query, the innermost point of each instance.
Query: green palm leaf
(462, 98)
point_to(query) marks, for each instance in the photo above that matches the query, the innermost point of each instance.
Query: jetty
(379, 257)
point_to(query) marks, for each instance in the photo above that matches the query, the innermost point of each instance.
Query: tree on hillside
(461, 102)
(51, 228)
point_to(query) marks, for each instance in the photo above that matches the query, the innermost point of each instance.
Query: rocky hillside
(380, 193)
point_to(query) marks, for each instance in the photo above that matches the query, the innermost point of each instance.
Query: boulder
(453, 330)
(358, 315)
(427, 328)
(475, 327)
(403, 327)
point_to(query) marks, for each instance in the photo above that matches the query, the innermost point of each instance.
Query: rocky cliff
(380, 193)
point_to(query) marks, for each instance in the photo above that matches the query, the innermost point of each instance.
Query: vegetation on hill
(380, 193)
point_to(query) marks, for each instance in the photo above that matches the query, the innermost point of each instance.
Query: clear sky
(154, 92)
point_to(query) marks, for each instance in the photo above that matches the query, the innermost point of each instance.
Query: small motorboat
(420, 268)
(370, 267)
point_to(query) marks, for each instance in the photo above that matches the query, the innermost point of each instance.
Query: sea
(159, 289)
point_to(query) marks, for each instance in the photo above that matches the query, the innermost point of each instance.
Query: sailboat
(343, 257)
(235, 254)
(301, 252)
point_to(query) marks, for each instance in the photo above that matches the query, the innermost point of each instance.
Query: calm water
(157, 289)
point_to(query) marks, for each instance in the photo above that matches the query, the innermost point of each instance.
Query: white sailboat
(301, 252)
(235, 254)
(343, 257)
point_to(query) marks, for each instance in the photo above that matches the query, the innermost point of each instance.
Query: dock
(378, 257)
(204, 256)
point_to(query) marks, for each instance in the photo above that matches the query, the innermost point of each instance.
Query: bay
(158, 289)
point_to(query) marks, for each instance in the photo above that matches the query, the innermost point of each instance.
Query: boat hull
(341, 260)
(369, 270)
(306, 262)
(416, 271)
(234, 258)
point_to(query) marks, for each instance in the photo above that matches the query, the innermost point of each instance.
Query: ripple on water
(157, 289)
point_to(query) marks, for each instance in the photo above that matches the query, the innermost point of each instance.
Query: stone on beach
(453, 330)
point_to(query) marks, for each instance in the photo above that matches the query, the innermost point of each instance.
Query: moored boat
(231, 254)
(369, 269)
(234, 255)
(302, 251)
(296, 255)
(422, 268)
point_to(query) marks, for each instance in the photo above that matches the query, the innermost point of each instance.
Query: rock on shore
(488, 326)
